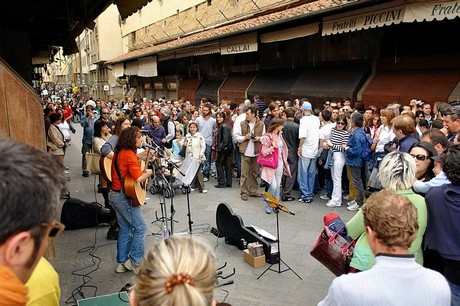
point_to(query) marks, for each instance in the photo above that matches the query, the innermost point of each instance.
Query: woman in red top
(132, 223)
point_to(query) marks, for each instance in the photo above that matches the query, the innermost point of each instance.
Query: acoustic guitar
(137, 191)
(105, 164)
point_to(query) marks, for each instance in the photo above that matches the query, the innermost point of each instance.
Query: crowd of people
(349, 152)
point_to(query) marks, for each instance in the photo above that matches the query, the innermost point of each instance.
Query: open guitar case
(232, 227)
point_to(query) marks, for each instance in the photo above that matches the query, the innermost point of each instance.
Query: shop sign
(376, 16)
(428, 11)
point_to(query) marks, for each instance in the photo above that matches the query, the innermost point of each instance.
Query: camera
(253, 136)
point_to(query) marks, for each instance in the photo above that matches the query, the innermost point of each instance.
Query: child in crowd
(438, 180)
(334, 223)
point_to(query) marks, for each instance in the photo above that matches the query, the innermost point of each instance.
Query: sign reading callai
(238, 48)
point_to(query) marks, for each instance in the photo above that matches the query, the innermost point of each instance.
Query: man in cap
(307, 151)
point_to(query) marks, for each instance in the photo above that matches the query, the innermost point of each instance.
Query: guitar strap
(117, 169)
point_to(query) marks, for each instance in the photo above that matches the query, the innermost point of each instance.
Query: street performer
(132, 223)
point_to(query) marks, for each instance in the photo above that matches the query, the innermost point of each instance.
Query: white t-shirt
(325, 131)
(309, 129)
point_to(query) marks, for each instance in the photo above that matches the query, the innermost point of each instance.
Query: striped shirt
(338, 138)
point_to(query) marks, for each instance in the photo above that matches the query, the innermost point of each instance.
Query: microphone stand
(171, 166)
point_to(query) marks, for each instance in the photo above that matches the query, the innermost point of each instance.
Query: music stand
(190, 167)
(277, 206)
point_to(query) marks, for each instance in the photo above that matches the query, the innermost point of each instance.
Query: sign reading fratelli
(362, 19)
(390, 13)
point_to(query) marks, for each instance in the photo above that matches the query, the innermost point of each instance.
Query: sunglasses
(105, 113)
(341, 123)
(55, 228)
(420, 157)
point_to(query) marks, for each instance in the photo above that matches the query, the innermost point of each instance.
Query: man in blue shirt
(87, 122)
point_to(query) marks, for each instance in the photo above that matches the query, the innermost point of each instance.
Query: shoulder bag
(333, 251)
(270, 160)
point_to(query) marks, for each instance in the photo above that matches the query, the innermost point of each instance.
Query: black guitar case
(78, 214)
(231, 226)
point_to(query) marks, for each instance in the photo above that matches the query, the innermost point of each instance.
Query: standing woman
(101, 135)
(224, 148)
(56, 141)
(383, 135)
(338, 142)
(271, 141)
(132, 223)
(195, 148)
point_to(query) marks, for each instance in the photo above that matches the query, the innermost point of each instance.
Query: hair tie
(177, 279)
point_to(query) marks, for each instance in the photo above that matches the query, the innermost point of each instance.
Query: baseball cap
(306, 106)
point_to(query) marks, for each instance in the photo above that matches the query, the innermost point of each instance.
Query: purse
(270, 161)
(333, 251)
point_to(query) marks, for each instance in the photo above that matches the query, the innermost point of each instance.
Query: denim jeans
(133, 229)
(306, 177)
(207, 164)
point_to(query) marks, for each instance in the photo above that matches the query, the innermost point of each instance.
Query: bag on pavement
(78, 214)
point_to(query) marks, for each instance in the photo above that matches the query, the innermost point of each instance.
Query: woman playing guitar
(132, 223)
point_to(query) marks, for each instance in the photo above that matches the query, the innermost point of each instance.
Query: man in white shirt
(395, 279)
(248, 137)
(308, 151)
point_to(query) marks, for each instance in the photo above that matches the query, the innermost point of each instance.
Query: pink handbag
(271, 160)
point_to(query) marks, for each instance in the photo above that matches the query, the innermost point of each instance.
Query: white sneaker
(351, 203)
(205, 179)
(354, 207)
(121, 268)
(204, 191)
(332, 205)
(346, 197)
(130, 266)
(324, 197)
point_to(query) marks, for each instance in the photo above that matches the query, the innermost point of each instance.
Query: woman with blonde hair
(397, 174)
(176, 271)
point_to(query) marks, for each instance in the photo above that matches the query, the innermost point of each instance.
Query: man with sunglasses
(105, 116)
(29, 212)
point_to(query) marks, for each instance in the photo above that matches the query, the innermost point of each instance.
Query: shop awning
(291, 33)
(455, 94)
(119, 70)
(274, 84)
(132, 68)
(335, 82)
(209, 89)
(148, 67)
(376, 16)
(431, 10)
(404, 85)
(188, 88)
(235, 87)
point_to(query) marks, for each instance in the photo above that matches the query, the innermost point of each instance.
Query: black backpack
(78, 214)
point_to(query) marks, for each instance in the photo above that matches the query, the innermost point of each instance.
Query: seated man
(395, 279)
(29, 217)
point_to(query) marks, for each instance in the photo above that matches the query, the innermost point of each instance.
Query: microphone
(146, 145)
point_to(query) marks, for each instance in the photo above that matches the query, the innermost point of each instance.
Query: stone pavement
(85, 260)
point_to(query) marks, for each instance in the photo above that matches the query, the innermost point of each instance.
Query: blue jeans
(455, 291)
(306, 177)
(207, 163)
(133, 229)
